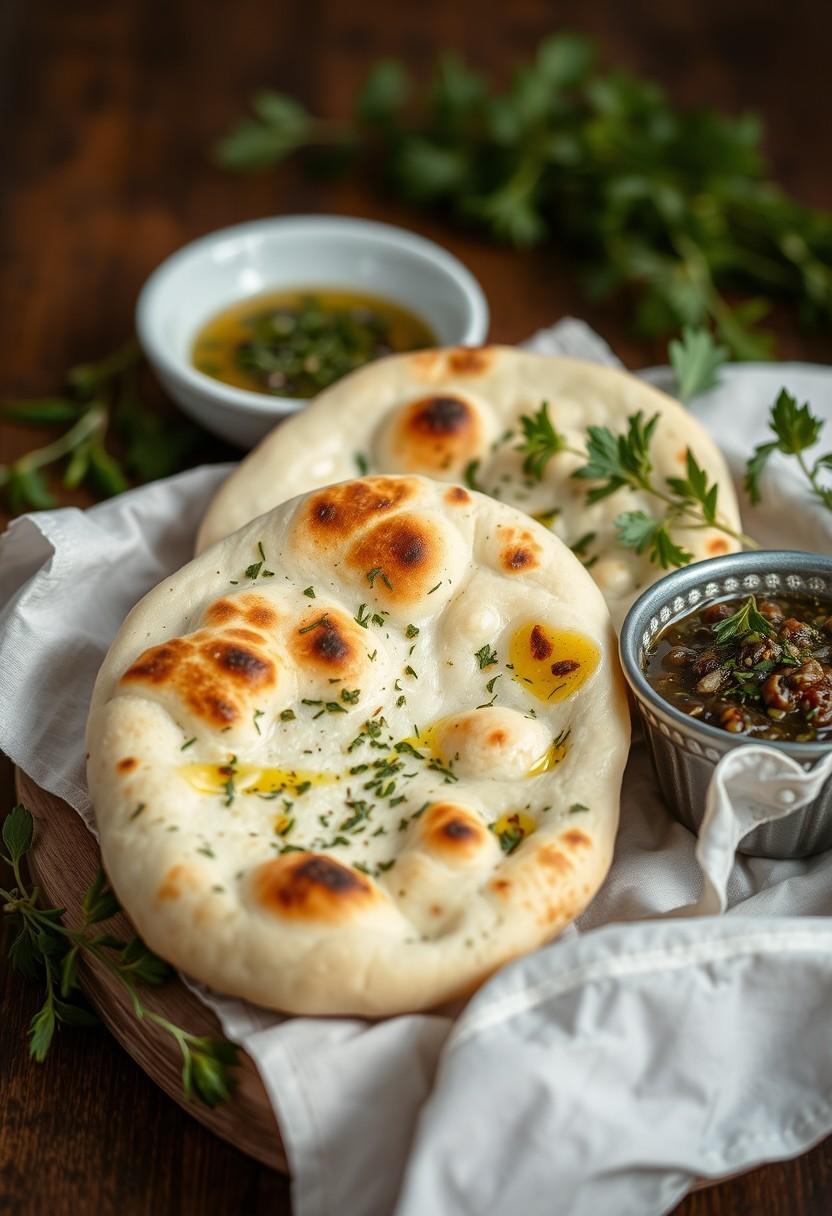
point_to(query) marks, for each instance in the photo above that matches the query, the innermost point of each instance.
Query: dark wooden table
(106, 112)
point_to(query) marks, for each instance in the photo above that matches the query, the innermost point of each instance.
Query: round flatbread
(455, 415)
(362, 751)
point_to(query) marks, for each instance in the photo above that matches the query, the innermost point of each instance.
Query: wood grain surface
(106, 112)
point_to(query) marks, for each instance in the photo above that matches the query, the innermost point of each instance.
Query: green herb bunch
(615, 462)
(43, 948)
(796, 429)
(676, 204)
(100, 402)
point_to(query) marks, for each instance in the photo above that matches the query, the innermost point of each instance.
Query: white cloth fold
(605, 1072)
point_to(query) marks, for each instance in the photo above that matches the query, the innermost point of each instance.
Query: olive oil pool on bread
(296, 343)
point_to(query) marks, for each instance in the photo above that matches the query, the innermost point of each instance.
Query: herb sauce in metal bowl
(296, 343)
(764, 669)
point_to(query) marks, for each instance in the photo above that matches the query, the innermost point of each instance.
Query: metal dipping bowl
(684, 750)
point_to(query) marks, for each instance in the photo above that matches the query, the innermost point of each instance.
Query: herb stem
(683, 511)
(94, 420)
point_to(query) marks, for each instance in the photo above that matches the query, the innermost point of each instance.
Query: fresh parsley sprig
(618, 461)
(672, 204)
(796, 429)
(43, 948)
(541, 441)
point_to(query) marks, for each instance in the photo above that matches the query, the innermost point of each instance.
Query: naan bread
(362, 751)
(437, 411)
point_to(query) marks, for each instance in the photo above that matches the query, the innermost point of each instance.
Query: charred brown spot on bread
(220, 612)
(576, 839)
(518, 559)
(337, 513)
(157, 665)
(405, 553)
(501, 885)
(539, 645)
(519, 550)
(563, 667)
(717, 545)
(311, 887)
(470, 360)
(682, 456)
(127, 764)
(212, 674)
(452, 832)
(243, 665)
(457, 496)
(440, 434)
(438, 416)
(329, 643)
(206, 703)
(245, 635)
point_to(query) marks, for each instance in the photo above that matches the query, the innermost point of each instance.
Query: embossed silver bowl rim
(757, 572)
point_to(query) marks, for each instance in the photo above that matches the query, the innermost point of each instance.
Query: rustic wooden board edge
(63, 862)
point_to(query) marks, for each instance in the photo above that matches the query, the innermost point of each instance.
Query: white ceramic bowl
(217, 270)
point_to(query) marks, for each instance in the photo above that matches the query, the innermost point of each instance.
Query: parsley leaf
(695, 489)
(541, 441)
(639, 531)
(696, 358)
(486, 656)
(795, 429)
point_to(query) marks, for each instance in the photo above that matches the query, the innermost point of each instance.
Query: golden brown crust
(436, 434)
(453, 833)
(336, 514)
(520, 550)
(312, 887)
(216, 677)
(252, 608)
(402, 558)
(328, 643)
(457, 496)
(471, 360)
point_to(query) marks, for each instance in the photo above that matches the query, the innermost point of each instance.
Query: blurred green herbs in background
(672, 204)
(98, 401)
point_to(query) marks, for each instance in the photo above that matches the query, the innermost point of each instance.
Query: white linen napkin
(607, 1071)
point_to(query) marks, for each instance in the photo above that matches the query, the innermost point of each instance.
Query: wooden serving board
(63, 861)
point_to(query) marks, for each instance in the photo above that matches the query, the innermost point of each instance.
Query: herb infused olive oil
(296, 343)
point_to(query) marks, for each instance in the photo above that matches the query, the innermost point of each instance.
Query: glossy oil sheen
(215, 346)
(252, 778)
(535, 673)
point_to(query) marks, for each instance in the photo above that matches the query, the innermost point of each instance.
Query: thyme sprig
(43, 948)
